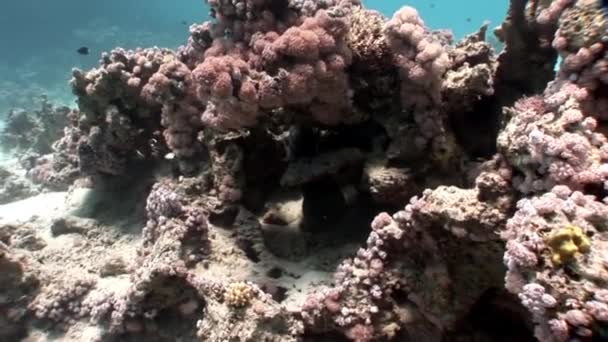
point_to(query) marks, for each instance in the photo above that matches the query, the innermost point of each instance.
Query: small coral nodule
(239, 294)
(566, 243)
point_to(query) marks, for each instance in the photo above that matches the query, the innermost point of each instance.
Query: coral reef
(550, 141)
(33, 133)
(555, 260)
(117, 125)
(14, 186)
(17, 288)
(242, 171)
(422, 62)
(527, 62)
(408, 278)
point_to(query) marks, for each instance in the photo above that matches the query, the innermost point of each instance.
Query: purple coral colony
(312, 171)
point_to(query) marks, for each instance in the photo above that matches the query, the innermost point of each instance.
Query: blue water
(462, 17)
(40, 37)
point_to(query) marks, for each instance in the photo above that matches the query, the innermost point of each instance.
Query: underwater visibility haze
(304, 170)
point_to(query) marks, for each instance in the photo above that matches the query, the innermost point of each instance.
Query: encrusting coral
(281, 129)
(555, 263)
(566, 243)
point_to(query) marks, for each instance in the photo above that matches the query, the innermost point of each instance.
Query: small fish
(139, 155)
(432, 5)
(184, 22)
(170, 156)
(83, 50)
(468, 20)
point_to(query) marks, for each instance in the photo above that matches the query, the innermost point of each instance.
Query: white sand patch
(89, 333)
(119, 286)
(309, 282)
(43, 206)
(76, 198)
(10, 162)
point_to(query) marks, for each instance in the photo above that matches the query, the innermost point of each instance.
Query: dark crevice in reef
(264, 163)
(324, 204)
(132, 189)
(331, 215)
(361, 135)
(333, 205)
(497, 316)
(331, 226)
(280, 7)
(596, 189)
(311, 141)
(476, 131)
(334, 210)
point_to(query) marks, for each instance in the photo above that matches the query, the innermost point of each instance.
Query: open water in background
(40, 37)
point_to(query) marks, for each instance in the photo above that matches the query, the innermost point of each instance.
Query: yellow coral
(238, 294)
(566, 243)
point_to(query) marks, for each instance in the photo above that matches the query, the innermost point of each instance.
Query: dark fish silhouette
(83, 50)
(184, 22)
(468, 20)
